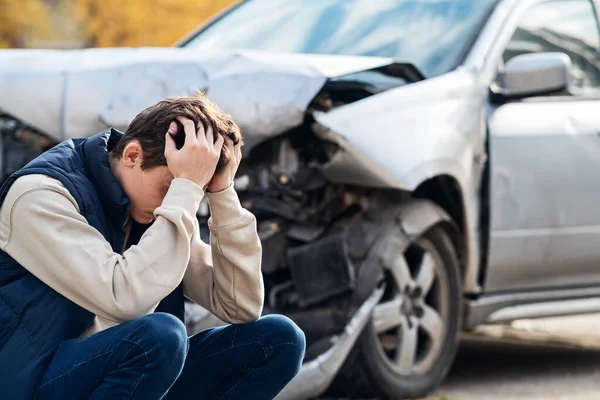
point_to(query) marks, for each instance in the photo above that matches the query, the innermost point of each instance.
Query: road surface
(553, 359)
(546, 359)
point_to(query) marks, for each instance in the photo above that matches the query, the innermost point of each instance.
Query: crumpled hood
(394, 139)
(404, 136)
(74, 93)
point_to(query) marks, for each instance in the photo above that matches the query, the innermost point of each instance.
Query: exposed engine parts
(303, 221)
(321, 269)
(311, 243)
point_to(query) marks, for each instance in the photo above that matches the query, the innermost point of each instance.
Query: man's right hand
(197, 159)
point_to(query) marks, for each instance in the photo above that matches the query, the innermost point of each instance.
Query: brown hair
(150, 126)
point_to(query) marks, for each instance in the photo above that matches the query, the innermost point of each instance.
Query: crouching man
(100, 244)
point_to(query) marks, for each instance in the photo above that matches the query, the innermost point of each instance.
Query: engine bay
(300, 217)
(313, 231)
(304, 221)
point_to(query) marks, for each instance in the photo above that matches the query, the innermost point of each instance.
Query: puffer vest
(34, 318)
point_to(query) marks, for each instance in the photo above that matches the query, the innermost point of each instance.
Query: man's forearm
(226, 277)
(80, 264)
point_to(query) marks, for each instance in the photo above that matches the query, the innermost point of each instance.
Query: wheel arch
(444, 192)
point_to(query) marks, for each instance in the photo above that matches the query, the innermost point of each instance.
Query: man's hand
(224, 179)
(197, 159)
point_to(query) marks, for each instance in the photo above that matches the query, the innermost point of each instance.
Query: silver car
(417, 167)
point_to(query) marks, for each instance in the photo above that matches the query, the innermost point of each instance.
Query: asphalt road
(546, 359)
(507, 371)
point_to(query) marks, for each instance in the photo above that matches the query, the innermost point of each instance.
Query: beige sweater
(42, 229)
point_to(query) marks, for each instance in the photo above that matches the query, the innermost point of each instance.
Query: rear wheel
(409, 345)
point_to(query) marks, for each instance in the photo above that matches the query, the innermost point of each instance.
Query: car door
(545, 161)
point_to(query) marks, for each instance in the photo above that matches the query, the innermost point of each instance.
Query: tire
(375, 368)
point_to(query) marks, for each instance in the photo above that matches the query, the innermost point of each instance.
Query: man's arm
(41, 228)
(226, 277)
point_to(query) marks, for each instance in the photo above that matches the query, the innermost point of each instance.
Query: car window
(568, 26)
(431, 34)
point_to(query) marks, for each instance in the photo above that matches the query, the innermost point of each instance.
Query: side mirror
(535, 74)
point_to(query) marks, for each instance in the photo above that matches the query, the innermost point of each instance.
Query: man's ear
(132, 154)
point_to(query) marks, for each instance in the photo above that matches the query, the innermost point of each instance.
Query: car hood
(73, 93)
(394, 138)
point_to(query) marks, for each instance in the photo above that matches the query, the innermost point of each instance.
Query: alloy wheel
(410, 323)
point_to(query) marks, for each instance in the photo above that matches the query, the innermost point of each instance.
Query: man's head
(138, 160)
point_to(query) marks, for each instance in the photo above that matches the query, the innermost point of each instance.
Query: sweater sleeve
(225, 277)
(42, 229)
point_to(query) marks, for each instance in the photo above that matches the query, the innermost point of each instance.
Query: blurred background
(525, 359)
(68, 24)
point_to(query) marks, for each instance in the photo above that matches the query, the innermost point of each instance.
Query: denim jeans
(153, 358)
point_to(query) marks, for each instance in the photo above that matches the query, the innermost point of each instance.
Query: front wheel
(409, 345)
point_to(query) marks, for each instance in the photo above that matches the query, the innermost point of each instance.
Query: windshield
(431, 34)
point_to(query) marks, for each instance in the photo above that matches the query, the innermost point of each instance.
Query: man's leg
(251, 361)
(139, 359)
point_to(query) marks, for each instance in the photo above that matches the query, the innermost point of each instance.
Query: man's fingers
(172, 128)
(236, 149)
(219, 142)
(188, 127)
(170, 145)
(201, 133)
(227, 142)
(210, 135)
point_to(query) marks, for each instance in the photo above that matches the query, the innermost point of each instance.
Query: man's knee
(285, 343)
(164, 340)
(281, 330)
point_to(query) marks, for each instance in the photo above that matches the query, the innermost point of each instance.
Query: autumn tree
(112, 23)
(21, 20)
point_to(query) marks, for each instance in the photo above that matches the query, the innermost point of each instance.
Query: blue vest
(34, 318)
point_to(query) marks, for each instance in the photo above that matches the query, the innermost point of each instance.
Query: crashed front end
(321, 169)
(292, 177)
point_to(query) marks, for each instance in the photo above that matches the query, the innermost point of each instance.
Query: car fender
(409, 221)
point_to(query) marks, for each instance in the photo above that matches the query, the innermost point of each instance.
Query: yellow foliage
(21, 20)
(112, 23)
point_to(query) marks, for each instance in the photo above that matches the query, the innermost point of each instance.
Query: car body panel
(440, 120)
(544, 152)
(410, 134)
(85, 91)
(545, 220)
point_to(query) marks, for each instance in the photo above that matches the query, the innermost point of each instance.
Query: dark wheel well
(445, 191)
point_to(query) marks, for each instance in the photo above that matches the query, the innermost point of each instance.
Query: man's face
(146, 188)
(147, 192)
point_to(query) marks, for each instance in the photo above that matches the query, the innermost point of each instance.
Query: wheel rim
(410, 323)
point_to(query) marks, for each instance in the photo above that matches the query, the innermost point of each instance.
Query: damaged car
(417, 168)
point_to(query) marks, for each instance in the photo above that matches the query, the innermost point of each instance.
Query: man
(99, 244)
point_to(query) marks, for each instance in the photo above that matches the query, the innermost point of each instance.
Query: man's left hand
(222, 180)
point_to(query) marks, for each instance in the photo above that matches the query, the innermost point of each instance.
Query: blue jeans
(153, 358)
